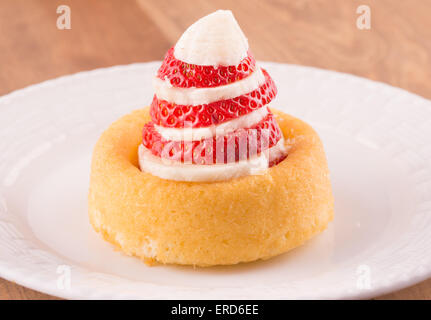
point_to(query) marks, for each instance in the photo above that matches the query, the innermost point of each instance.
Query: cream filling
(172, 170)
(196, 96)
(213, 40)
(191, 134)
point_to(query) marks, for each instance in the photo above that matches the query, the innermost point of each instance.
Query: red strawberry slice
(234, 146)
(276, 161)
(172, 115)
(185, 75)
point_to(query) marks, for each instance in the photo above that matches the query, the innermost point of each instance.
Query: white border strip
(191, 134)
(196, 96)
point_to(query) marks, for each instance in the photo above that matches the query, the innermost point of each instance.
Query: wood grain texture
(320, 33)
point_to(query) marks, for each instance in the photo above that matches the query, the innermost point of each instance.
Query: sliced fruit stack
(214, 114)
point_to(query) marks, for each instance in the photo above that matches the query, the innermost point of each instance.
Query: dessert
(209, 174)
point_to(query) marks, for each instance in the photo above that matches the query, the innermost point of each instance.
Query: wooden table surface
(320, 33)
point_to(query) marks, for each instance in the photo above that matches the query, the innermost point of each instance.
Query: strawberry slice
(185, 75)
(172, 115)
(234, 146)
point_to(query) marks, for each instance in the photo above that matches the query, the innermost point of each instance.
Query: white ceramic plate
(377, 139)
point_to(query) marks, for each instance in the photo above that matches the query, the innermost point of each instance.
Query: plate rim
(35, 284)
